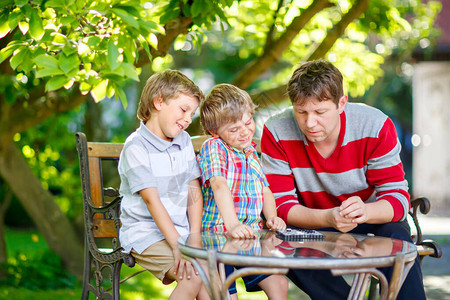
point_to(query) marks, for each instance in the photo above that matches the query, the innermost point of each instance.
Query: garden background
(80, 65)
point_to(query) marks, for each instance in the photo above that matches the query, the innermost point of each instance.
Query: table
(342, 253)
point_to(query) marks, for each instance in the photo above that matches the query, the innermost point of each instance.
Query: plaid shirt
(245, 178)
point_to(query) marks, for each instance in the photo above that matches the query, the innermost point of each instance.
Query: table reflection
(334, 245)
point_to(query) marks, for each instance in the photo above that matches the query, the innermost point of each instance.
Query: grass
(27, 244)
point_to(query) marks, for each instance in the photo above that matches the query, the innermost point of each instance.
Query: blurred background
(80, 65)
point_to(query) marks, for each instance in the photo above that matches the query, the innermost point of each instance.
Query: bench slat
(105, 150)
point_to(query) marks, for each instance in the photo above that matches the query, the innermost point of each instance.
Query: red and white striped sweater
(366, 160)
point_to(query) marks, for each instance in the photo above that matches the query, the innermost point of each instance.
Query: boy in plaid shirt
(235, 189)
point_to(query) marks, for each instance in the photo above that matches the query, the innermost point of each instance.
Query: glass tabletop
(268, 247)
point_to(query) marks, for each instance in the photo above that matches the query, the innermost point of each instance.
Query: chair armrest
(423, 205)
(433, 245)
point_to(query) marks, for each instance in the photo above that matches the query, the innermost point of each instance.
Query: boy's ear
(157, 102)
(214, 134)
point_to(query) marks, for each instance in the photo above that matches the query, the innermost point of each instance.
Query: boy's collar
(156, 141)
(249, 149)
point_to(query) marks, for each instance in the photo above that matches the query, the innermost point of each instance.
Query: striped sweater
(366, 161)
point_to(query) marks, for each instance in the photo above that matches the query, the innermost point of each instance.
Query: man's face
(239, 134)
(319, 120)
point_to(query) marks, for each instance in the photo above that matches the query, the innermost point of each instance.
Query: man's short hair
(319, 79)
(224, 104)
(165, 85)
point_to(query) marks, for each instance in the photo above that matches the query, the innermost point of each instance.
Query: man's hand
(354, 209)
(241, 231)
(339, 222)
(275, 223)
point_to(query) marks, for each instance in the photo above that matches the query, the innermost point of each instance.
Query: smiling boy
(234, 186)
(159, 183)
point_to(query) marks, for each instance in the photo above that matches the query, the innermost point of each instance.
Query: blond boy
(159, 183)
(234, 186)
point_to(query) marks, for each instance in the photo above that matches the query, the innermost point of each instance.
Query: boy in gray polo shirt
(159, 175)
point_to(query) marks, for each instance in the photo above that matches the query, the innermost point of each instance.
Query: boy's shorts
(251, 281)
(158, 259)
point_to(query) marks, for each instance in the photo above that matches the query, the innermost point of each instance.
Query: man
(334, 164)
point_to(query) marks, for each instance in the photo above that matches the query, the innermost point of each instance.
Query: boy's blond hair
(224, 104)
(166, 85)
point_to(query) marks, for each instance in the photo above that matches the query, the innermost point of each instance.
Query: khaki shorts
(158, 259)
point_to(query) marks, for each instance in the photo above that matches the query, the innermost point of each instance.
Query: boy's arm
(160, 215)
(225, 204)
(195, 206)
(165, 225)
(270, 211)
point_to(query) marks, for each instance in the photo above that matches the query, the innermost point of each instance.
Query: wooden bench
(103, 257)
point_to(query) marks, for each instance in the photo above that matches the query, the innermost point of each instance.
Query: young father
(334, 164)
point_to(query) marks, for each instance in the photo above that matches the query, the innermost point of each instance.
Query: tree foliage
(56, 54)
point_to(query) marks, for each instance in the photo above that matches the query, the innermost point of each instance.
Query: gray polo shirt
(149, 161)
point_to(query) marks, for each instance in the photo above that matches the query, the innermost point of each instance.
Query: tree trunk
(41, 207)
(3, 208)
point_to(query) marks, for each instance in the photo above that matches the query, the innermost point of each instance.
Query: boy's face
(239, 134)
(174, 116)
(319, 120)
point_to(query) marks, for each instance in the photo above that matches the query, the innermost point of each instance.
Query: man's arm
(282, 182)
(385, 172)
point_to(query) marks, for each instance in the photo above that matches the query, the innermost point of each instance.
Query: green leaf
(4, 25)
(130, 71)
(54, 3)
(126, 17)
(93, 41)
(14, 18)
(120, 94)
(197, 8)
(7, 52)
(18, 57)
(21, 3)
(27, 64)
(36, 28)
(98, 93)
(68, 63)
(68, 19)
(46, 61)
(113, 55)
(48, 72)
(56, 83)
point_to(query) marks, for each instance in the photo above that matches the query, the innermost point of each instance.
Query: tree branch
(165, 41)
(270, 33)
(17, 117)
(257, 67)
(338, 29)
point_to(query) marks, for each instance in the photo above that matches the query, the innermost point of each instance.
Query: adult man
(333, 164)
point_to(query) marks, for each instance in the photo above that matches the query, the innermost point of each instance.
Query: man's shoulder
(363, 121)
(364, 112)
(283, 125)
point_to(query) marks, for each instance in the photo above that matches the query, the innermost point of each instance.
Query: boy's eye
(184, 110)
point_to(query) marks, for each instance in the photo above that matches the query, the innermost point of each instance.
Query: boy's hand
(276, 223)
(241, 231)
(181, 266)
